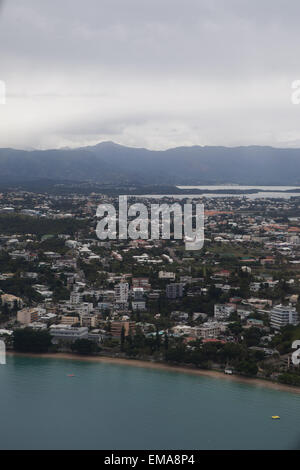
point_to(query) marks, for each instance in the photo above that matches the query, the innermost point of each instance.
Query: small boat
(275, 417)
(71, 375)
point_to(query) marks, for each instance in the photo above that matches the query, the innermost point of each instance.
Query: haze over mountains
(108, 162)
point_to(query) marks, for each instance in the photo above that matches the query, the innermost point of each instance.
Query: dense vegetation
(28, 340)
(289, 378)
(22, 224)
(84, 347)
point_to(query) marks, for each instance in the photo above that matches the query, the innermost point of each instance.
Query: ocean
(116, 407)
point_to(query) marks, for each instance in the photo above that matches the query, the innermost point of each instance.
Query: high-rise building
(121, 292)
(174, 291)
(75, 297)
(284, 315)
(138, 293)
(117, 326)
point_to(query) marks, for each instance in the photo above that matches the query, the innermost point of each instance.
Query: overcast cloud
(156, 74)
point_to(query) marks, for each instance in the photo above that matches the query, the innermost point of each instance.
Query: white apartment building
(84, 308)
(138, 305)
(284, 315)
(122, 292)
(68, 333)
(166, 275)
(138, 294)
(209, 330)
(223, 311)
(184, 330)
(75, 297)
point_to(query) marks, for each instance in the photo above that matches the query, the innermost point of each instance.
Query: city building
(209, 330)
(75, 297)
(28, 315)
(116, 328)
(283, 315)
(174, 291)
(138, 305)
(68, 333)
(223, 311)
(69, 320)
(122, 292)
(167, 275)
(88, 320)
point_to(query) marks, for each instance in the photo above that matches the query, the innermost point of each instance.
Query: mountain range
(111, 163)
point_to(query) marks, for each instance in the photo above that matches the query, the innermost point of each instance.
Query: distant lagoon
(236, 191)
(267, 192)
(237, 187)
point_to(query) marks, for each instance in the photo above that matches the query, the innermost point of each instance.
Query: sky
(155, 74)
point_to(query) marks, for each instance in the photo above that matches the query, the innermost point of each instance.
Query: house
(267, 260)
(223, 311)
(209, 330)
(223, 273)
(11, 301)
(138, 305)
(180, 316)
(167, 275)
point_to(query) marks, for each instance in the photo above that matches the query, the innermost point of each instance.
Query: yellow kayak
(275, 417)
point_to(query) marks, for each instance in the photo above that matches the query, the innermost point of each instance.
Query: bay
(117, 407)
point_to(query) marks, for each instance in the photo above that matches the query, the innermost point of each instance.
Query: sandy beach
(166, 367)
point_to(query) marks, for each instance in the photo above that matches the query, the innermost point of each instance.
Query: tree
(235, 328)
(29, 340)
(289, 379)
(252, 336)
(5, 310)
(247, 368)
(157, 339)
(233, 351)
(166, 342)
(122, 338)
(84, 347)
(176, 354)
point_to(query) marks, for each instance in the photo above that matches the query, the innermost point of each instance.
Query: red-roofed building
(223, 273)
(213, 340)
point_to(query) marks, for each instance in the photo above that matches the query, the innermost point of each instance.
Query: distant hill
(112, 163)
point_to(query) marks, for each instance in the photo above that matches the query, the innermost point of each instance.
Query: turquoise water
(108, 406)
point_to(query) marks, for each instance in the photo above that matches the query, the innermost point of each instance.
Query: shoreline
(257, 382)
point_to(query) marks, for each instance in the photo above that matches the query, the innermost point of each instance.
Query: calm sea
(107, 406)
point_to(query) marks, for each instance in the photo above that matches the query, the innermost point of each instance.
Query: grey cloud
(115, 67)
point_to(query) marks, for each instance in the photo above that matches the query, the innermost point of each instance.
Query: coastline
(257, 382)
